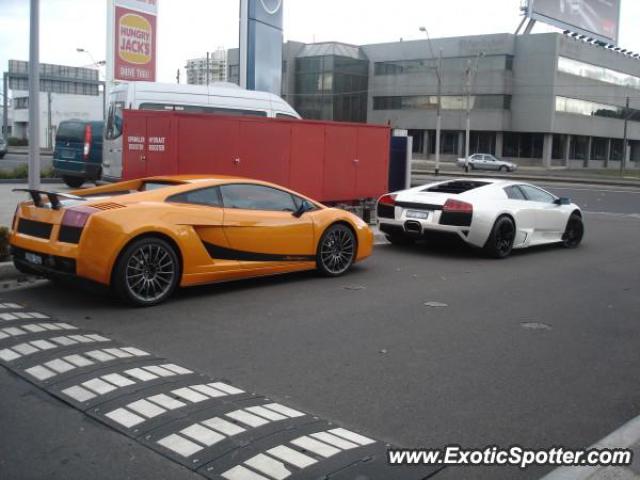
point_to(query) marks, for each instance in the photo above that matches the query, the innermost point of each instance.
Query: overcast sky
(188, 28)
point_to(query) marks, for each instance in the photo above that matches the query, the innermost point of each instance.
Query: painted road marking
(106, 383)
(291, 456)
(268, 466)
(161, 403)
(202, 435)
(242, 473)
(180, 445)
(315, 446)
(10, 305)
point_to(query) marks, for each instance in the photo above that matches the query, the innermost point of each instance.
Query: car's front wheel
(147, 272)
(336, 250)
(500, 242)
(574, 231)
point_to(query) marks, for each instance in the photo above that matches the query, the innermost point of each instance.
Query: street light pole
(438, 70)
(625, 139)
(34, 95)
(470, 74)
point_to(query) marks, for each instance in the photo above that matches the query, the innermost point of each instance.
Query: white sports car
(495, 215)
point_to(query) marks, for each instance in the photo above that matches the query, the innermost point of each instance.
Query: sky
(190, 28)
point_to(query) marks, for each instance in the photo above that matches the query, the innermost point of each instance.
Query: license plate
(33, 258)
(68, 154)
(421, 215)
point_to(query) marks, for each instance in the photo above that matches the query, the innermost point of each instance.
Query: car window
(514, 193)
(257, 197)
(537, 195)
(476, 157)
(203, 196)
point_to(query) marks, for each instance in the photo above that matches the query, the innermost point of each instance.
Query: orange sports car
(143, 238)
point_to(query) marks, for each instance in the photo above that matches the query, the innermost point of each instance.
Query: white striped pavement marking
(166, 401)
(125, 417)
(352, 436)
(209, 391)
(159, 371)
(3, 335)
(59, 365)
(41, 373)
(99, 386)
(335, 441)
(10, 305)
(8, 316)
(315, 446)
(180, 445)
(266, 413)
(78, 360)
(202, 435)
(247, 418)
(242, 473)
(14, 331)
(67, 326)
(64, 341)
(118, 380)
(223, 426)
(231, 390)
(289, 412)
(190, 395)
(34, 328)
(78, 393)
(8, 355)
(291, 456)
(43, 344)
(146, 408)
(177, 369)
(25, 349)
(117, 352)
(137, 352)
(100, 356)
(140, 374)
(268, 466)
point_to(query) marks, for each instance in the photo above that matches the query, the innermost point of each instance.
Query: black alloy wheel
(336, 250)
(147, 272)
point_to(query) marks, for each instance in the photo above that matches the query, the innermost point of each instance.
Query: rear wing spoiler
(54, 197)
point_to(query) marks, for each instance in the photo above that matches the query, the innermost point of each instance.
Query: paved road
(366, 352)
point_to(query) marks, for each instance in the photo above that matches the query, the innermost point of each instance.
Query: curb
(538, 178)
(20, 152)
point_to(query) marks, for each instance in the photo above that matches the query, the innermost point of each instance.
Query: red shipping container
(328, 161)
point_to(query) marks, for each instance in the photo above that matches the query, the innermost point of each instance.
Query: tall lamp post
(34, 95)
(99, 64)
(470, 75)
(438, 70)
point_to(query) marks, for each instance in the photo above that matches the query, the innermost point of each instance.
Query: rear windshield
(455, 186)
(73, 131)
(148, 186)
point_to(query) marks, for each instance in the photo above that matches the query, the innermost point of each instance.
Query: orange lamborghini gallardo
(144, 238)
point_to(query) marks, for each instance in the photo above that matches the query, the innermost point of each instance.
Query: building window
(487, 63)
(579, 147)
(449, 102)
(522, 145)
(593, 72)
(599, 148)
(584, 107)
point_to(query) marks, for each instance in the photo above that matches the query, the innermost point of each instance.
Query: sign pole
(34, 96)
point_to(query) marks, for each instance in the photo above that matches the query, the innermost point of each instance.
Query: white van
(217, 98)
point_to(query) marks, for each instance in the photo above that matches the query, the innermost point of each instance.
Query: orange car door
(261, 229)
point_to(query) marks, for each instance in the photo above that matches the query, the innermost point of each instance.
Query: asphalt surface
(365, 351)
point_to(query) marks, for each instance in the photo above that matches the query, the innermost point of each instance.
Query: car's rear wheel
(398, 239)
(73, 182)
(500, 242)
(574, 231)
(336, 250)
(147, 272)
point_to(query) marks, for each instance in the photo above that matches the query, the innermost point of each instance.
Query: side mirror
(562, 201)
(304, 207)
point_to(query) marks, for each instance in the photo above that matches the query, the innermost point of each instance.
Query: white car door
(550, 218)
(525, 215)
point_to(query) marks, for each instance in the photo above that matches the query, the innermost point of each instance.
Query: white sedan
(495, 215)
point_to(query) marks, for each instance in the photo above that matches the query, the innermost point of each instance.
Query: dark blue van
(77, 156)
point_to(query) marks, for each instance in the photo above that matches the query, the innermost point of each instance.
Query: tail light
(87, 141)
(389, 199)
(456, 206)
(77, 216)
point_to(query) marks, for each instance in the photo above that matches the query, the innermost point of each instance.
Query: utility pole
(439, 113)
(625, 139)
(207, 68)
(438, 70)
(5, 106)
(178, 76)
(34, 95)
(470, 74)
(49, 126)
